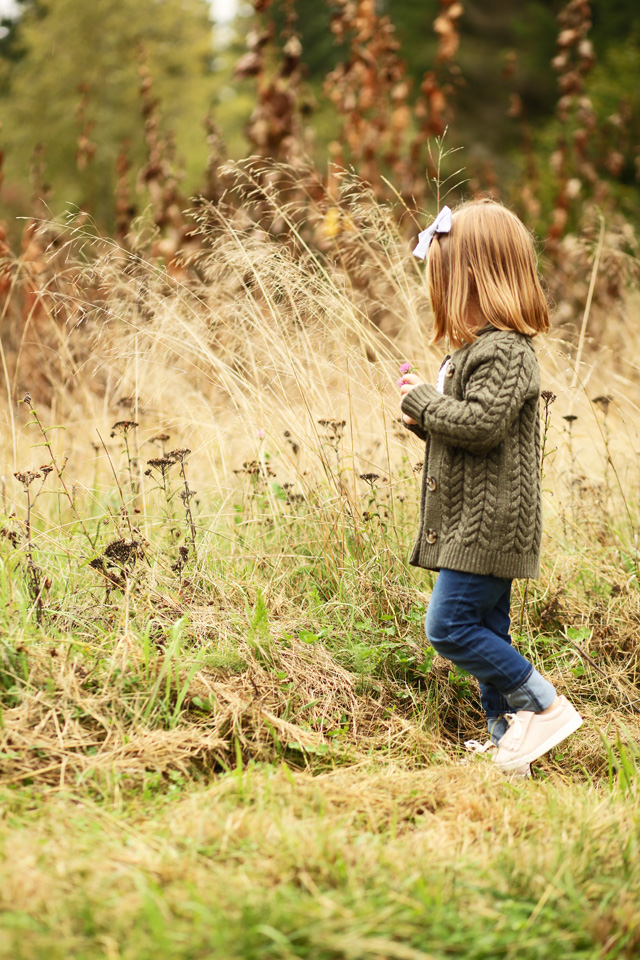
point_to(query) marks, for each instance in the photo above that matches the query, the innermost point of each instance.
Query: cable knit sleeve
(414, 428)
(495, 386)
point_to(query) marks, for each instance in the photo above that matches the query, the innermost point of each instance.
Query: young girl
(480, 511)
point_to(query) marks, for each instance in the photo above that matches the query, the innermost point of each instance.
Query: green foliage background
(59, 46)
(56, 48)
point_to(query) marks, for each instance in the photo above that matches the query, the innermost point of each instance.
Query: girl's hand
(409, 379)
(406, 383)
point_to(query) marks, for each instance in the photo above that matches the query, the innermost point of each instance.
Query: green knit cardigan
(480, 508)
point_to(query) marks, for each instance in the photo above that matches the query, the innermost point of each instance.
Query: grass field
(222, 732)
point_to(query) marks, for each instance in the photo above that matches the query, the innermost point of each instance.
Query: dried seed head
(27, 399)
(46, 469)
(370, 478)
(163, 464)
(548, 397)
(295, 446)
(178, 455)
(183, 554)
(334, 429)
(123, 426)
(160, 438)
(603, 401)
(27, 477)
(335, 425)
(570, 417)
(122, 551)
(252, 468)
(10, 535)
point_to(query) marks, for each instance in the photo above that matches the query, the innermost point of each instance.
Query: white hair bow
(441, 224)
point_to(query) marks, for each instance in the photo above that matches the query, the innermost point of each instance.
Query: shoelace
(514, 723)
(474, 746)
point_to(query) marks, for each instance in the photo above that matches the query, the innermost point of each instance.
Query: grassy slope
(374, 861)
(256, 755)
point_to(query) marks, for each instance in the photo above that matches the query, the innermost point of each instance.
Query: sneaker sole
(573, 724)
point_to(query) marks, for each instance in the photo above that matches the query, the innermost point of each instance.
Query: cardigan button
(431, 483)
(451, 370)
(432, 536)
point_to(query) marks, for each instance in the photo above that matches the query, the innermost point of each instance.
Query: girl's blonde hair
(486, 264)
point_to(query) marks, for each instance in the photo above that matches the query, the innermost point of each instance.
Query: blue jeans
(468, 622)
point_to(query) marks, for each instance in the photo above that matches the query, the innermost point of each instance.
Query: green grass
(378, 861)
(238, 761)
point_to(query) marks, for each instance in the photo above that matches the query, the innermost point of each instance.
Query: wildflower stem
(59, 470)
(587, 308)
(132, 481)
(115, 477)
(186, 497)
(26, 478)
(548, 398)
(32, 570)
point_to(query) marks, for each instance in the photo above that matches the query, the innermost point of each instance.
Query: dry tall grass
(274, 367)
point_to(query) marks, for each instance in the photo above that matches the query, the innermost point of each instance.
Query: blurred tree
(320, 53)
(614, 23)
(71, 81)
(491, 31)
(9, 46)
(69, 86)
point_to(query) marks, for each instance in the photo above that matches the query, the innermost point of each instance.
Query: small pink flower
(261, 434)
(405, 367)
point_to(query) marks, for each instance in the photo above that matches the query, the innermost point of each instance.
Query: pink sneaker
(532, 734)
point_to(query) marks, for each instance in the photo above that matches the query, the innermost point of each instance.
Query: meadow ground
(222, 733)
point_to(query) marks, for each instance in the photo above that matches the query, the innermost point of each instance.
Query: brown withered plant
(35, 582)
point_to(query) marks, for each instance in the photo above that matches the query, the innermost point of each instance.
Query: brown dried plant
(86, 147)
(56, 466)
(570, 162)
(160, 175)
(125, 207)
(116, 564)
(433, 108)
(276, 126)
(186, 494)
(36, 583)
(123, 428)
(369, 90)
